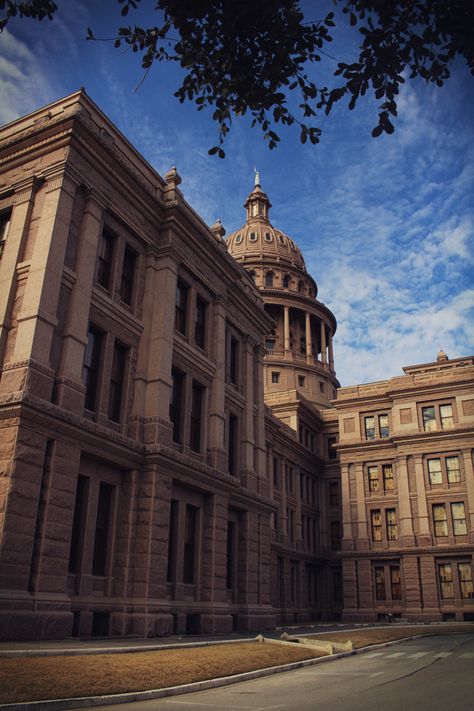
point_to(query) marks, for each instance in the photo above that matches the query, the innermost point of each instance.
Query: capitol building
(177, 455)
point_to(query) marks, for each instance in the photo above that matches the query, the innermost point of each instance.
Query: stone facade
(406, 456)
(168, 440)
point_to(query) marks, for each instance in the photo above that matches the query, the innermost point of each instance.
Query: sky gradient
(386, 225)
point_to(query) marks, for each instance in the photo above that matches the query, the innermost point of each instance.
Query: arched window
(286, 281)
(269, 279)
(301, 287)
(268, 237)
(252, 237)
(253, 276)
(238, 239)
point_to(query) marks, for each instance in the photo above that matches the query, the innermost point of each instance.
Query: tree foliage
(248, 57)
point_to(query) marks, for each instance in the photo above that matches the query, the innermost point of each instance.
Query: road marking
(442, 655)
(467, 655)
(418, 655)
(397, 654)
(373, 654)
(195, 703)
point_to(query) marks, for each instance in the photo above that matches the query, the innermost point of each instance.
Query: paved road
(429, 674)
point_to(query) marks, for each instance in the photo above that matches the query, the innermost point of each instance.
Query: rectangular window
(104, 506)
(275, 378)
(276, 473)
(379, 573)
(335, 535)
(453, 469)
(230, 567)
(376, 524)
(465, 581)
(4, 227)
(128, 275)
(90, 370)
(383, 426)
(459, 519)
(440, 520)
(104, 258)
(78, 524)
(189, 544)
(332, 452)
(117, 377)
(301, 381)
(434, 471)
(232, 444)
(369, 425)
(334, 493)
(176, 403)
(395, 582)
(429, 418)
(446, 585)
(234, 360)
(391, 521)
(172, 541)
(196, 417)
(337, 586)
(200, 323)
(446, 416)
(181, 307)
(387, 475)
(373, 473)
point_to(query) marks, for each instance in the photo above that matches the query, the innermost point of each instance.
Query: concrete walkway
(120, 645)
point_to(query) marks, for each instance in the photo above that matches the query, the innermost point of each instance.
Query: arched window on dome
(238, 239)
(252, 237)
(286, 281)
(301, 287)
(269, 276)
(268, 237)
(253, 276)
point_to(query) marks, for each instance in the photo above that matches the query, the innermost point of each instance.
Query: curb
(130, 697)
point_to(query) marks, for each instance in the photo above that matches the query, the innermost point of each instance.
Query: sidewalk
(119, 645)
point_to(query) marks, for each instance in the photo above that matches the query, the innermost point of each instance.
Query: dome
(258, 238)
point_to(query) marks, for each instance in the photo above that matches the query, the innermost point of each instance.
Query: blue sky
(386, 225)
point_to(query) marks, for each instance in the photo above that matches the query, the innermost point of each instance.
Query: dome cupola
(299, 350)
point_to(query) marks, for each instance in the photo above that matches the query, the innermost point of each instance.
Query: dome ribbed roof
(259, 238)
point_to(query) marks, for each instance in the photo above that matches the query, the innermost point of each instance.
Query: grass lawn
(37, 678)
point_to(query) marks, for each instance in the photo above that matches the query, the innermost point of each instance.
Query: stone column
(217, 394)
(404, 506)
(247, 441)
(423, 514)
(298, 524)
(309, 340)
(469, 474)
(156, 355)
(260, 463)
(347, 538)
(362, 534)
(37, 319)
(330, 352)
(323, 343)
(286, 327)
(23, 201)
(70, 392)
